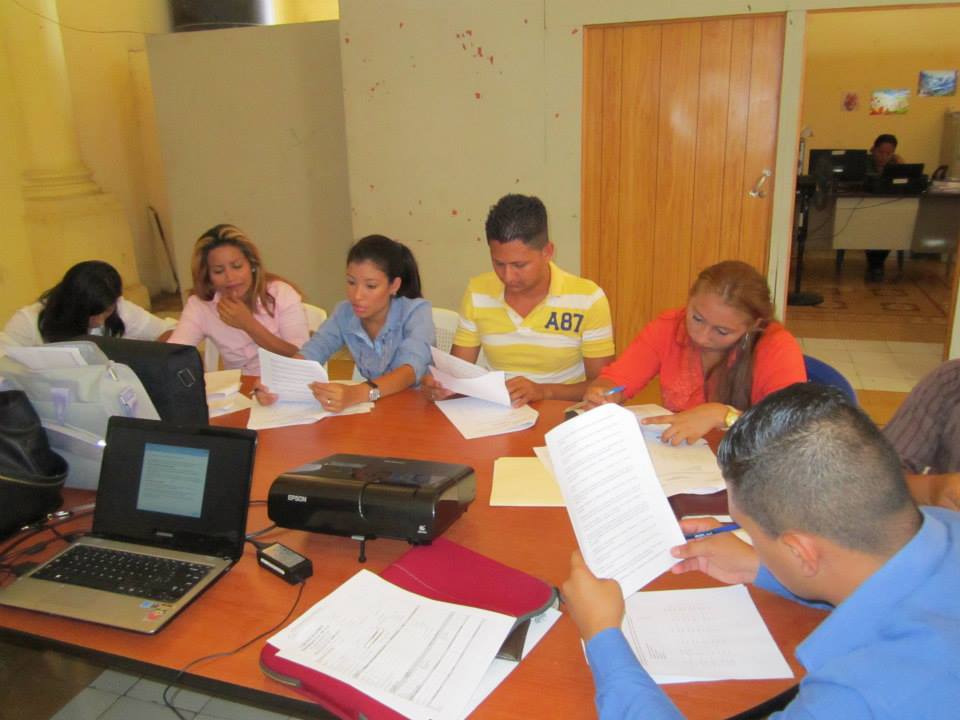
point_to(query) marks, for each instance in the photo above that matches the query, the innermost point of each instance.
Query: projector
(366, 497)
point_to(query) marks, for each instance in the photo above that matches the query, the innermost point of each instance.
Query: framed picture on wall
(889, 102)
(937, 82)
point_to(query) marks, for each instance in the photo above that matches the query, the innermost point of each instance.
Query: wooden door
(680, 122)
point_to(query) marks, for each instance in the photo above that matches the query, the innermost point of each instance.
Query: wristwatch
(731, 417)
(374, 391)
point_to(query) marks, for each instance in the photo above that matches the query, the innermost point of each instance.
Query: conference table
(553, 680)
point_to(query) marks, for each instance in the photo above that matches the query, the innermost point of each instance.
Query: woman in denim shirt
(384, 322)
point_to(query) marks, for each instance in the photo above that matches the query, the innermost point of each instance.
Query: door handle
(758, 191)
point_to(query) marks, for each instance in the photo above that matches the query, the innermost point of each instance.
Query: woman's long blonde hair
(218, 236)
(740, 286)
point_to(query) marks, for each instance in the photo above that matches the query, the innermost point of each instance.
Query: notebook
(171, 505)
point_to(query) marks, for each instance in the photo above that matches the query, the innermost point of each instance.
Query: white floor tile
(152, 691)
(868, 382)
(834, 357)
(858, 346)
(916, 348)
(89, 704)
(916, 365)
(114, 681)
(812, 345)
(128, 708)
(876, 364)
(227, 710)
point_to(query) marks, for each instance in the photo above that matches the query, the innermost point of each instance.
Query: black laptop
(170, 519)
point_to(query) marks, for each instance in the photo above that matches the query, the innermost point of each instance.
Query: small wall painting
(850, 101)
(937, 82)
(890, 102)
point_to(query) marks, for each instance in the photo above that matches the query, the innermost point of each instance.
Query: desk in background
(928, 223)
(248, 600)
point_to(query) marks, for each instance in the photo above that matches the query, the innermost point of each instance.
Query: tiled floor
(876, 364)
(118, 696)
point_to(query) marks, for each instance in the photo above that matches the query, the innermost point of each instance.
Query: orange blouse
(663, 348)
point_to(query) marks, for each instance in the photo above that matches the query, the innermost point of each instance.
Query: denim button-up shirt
(405, 338)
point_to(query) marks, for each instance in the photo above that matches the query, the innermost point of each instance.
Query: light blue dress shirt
(405, 338)
(890, 650)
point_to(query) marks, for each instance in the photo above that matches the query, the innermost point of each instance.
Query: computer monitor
(844, 166)
(903, 170)
(171, 374)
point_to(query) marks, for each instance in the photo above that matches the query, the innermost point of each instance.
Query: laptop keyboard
(124, 572)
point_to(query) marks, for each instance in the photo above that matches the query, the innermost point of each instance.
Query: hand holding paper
(467, 378)
(290, 378)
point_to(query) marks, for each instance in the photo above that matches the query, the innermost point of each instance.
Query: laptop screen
(177, 486)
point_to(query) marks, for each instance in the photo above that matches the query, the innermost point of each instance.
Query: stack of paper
(700, 635)
(485, 410)
(524, 482)
(223, 393)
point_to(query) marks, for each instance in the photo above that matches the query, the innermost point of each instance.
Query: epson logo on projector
(297, 498)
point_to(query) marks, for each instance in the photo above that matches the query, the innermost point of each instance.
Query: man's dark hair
(885, 138)
(804, 458)
(518, 217)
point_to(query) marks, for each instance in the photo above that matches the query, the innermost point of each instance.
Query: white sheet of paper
(523, 482)
(476, 418)
(222, 383)
(623, 522)
(289, 378)
(421, 657)
(499, 669)
(44, 357)
(702, 634)
(280, 414)
(469, 379)
(218, 406)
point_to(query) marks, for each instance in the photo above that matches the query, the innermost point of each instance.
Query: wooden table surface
(553, 680)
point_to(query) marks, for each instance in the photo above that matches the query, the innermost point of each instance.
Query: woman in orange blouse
(715, 357)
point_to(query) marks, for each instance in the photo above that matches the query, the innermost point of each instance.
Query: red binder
(440, 571)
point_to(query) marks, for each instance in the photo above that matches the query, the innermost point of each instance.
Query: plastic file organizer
(441, 571)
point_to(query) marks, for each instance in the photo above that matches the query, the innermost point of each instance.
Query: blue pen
(710, 533)
(614, 390)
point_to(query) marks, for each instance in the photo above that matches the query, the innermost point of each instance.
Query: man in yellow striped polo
(549, 330)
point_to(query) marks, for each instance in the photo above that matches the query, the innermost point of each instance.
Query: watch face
(374, 394)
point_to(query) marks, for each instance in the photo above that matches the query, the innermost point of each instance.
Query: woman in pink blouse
(237, 304)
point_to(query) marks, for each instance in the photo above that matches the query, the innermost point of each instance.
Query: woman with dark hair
(238, 305)
(716, 357)
(385, 323)
(87, 301)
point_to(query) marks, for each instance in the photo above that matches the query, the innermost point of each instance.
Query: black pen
(729, 527)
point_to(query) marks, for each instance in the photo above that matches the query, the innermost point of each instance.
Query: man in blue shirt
(822, 495)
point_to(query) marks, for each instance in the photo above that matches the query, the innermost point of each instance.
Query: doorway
(882, 334)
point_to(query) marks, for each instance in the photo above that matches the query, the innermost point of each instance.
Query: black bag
(171, 374)
(31, 474)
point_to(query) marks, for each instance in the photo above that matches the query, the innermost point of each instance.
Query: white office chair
(445, 321)
(316, 316)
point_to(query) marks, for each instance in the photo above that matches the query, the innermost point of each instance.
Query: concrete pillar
(67, 216)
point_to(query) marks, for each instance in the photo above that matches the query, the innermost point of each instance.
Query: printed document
(623, 522)
(476, 418)
(289, 378)
(421, 657)
(280, 414)
(469, 379)
(700, 635)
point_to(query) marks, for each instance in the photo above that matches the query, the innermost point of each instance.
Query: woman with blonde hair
(238, 305)
(716, 357)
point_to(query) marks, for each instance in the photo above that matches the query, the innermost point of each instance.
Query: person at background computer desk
(821, 494)
(550, 330)
(717, 356)
(925, 432)
(236, 304)
(385, 323)
(882, 153)
(88, 300)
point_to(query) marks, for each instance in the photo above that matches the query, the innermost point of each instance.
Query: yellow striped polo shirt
(548, 345)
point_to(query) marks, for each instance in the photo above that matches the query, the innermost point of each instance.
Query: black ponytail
(393, 258)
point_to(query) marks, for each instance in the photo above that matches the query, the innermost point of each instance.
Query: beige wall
(844, 54)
